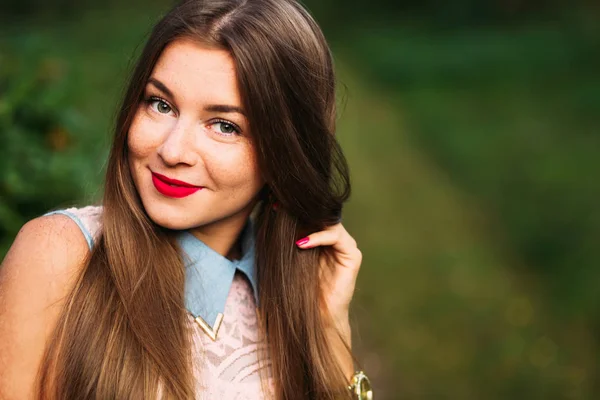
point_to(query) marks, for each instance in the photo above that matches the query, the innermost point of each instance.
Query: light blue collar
(208, 274)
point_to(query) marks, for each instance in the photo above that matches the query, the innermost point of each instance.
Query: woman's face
(190, 152)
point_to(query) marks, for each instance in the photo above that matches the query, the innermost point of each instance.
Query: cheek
(143, 137)
(237, 171)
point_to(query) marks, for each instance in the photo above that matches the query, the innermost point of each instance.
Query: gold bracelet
(360, 387)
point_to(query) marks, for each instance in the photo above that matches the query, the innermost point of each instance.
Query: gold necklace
(210, 331)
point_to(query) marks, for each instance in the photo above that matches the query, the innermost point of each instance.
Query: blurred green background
(472, 129)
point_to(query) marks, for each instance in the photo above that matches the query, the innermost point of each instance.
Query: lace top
(226, 368)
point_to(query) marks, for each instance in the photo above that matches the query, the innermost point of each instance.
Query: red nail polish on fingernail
(302, 241)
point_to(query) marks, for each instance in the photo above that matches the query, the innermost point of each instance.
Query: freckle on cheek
(139, 145)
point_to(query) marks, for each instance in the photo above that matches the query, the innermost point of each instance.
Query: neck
(223, 236)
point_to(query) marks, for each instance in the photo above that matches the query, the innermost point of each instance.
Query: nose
(178, 145)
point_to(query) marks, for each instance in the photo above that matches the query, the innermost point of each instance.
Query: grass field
(474, 155)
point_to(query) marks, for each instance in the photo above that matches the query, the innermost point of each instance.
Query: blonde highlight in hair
(124, 332)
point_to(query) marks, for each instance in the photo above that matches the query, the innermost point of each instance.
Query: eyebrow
(223, 108)
(160, 86)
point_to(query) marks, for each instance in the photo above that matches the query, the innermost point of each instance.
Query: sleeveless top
(225, 368)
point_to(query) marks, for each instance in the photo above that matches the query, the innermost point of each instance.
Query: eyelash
(236, 128)
(151, 99)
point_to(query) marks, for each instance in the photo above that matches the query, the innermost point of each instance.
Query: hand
(338, 278)
(338, 272)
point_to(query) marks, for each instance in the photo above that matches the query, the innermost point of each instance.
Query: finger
(326, 237)
(335, 236)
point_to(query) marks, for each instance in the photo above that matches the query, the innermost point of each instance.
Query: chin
(170, 223)
(170, 217)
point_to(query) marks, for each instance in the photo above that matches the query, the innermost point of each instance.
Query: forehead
(193, 71)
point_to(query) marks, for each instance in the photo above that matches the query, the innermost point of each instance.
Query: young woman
(216, 266)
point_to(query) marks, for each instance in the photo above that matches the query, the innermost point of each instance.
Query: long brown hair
(123, 333)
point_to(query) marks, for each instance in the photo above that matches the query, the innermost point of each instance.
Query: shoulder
(36, 276)
(49, 242)
(88, 220)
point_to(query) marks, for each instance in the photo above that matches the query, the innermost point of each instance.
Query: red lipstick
(172, 187)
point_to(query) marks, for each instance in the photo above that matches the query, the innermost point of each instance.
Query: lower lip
(173, 191)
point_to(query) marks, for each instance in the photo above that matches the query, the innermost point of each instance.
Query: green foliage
(65, 8)
(340, 16)
(37, 130)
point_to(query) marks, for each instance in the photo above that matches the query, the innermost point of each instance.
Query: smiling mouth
(172, 187)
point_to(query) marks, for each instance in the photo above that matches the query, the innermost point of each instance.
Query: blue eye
(159, 105)
(226, 128)
(163, 107)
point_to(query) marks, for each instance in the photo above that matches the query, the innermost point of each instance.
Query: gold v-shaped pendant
(211, 332)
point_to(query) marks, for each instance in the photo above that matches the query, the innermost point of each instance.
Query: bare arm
(35, 277)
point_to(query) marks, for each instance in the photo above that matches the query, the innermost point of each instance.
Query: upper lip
(174, 181)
